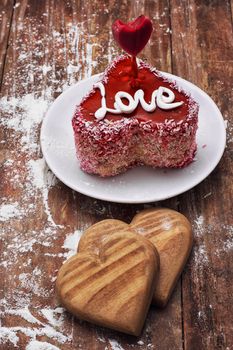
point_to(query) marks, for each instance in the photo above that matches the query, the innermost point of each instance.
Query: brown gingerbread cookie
(111, 280)
(171, 234)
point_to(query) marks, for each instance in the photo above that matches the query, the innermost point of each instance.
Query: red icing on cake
(163, 138)
(119, 77)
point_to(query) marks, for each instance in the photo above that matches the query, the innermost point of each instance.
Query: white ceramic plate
(140, 184)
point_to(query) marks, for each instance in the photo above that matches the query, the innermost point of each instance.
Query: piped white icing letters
(163, 97)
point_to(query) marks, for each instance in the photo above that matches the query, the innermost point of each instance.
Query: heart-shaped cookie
(133, 36)
(111, 280)
(171, 234)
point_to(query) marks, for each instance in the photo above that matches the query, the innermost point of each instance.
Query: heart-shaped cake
(134, 115)
(111, 280)
(126, 121)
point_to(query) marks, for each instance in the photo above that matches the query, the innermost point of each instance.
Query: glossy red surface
(120, 78)
(133, 36)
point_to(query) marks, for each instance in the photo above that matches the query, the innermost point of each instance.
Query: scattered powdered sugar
(200, 255)
(26, 174)
(9, 211)
(49, 328)
(71, 242)
(228, 244)
(115, 345)
(6, 334)
(229, 129)
(101, 339)
(31, 282)
(37, 171)
(51, 316)
(32, 332)
(23, 115)
(37, 345)
(199, 223)
(40, 178)
(25, 314)
(140, 342)
(207, 195)
(140, 230)
(204, 231)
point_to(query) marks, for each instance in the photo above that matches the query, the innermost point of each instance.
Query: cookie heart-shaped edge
(110, 281)
(171, 233)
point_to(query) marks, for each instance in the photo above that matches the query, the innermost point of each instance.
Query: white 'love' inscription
(162, 97)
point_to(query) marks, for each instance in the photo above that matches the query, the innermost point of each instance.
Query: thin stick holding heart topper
(132, 37)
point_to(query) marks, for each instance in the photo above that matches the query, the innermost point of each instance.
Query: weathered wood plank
(52, 45)
(6, 11)
(202, 44)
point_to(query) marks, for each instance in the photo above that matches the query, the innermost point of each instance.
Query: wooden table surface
(46, 46)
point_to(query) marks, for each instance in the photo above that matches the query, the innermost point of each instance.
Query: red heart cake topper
(133, 36)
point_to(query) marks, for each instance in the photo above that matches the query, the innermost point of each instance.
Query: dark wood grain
(51, 45)
(202, 44)
(6, 11)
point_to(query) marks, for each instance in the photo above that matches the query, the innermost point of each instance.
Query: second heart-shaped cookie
(111, 280)
(171, 234)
